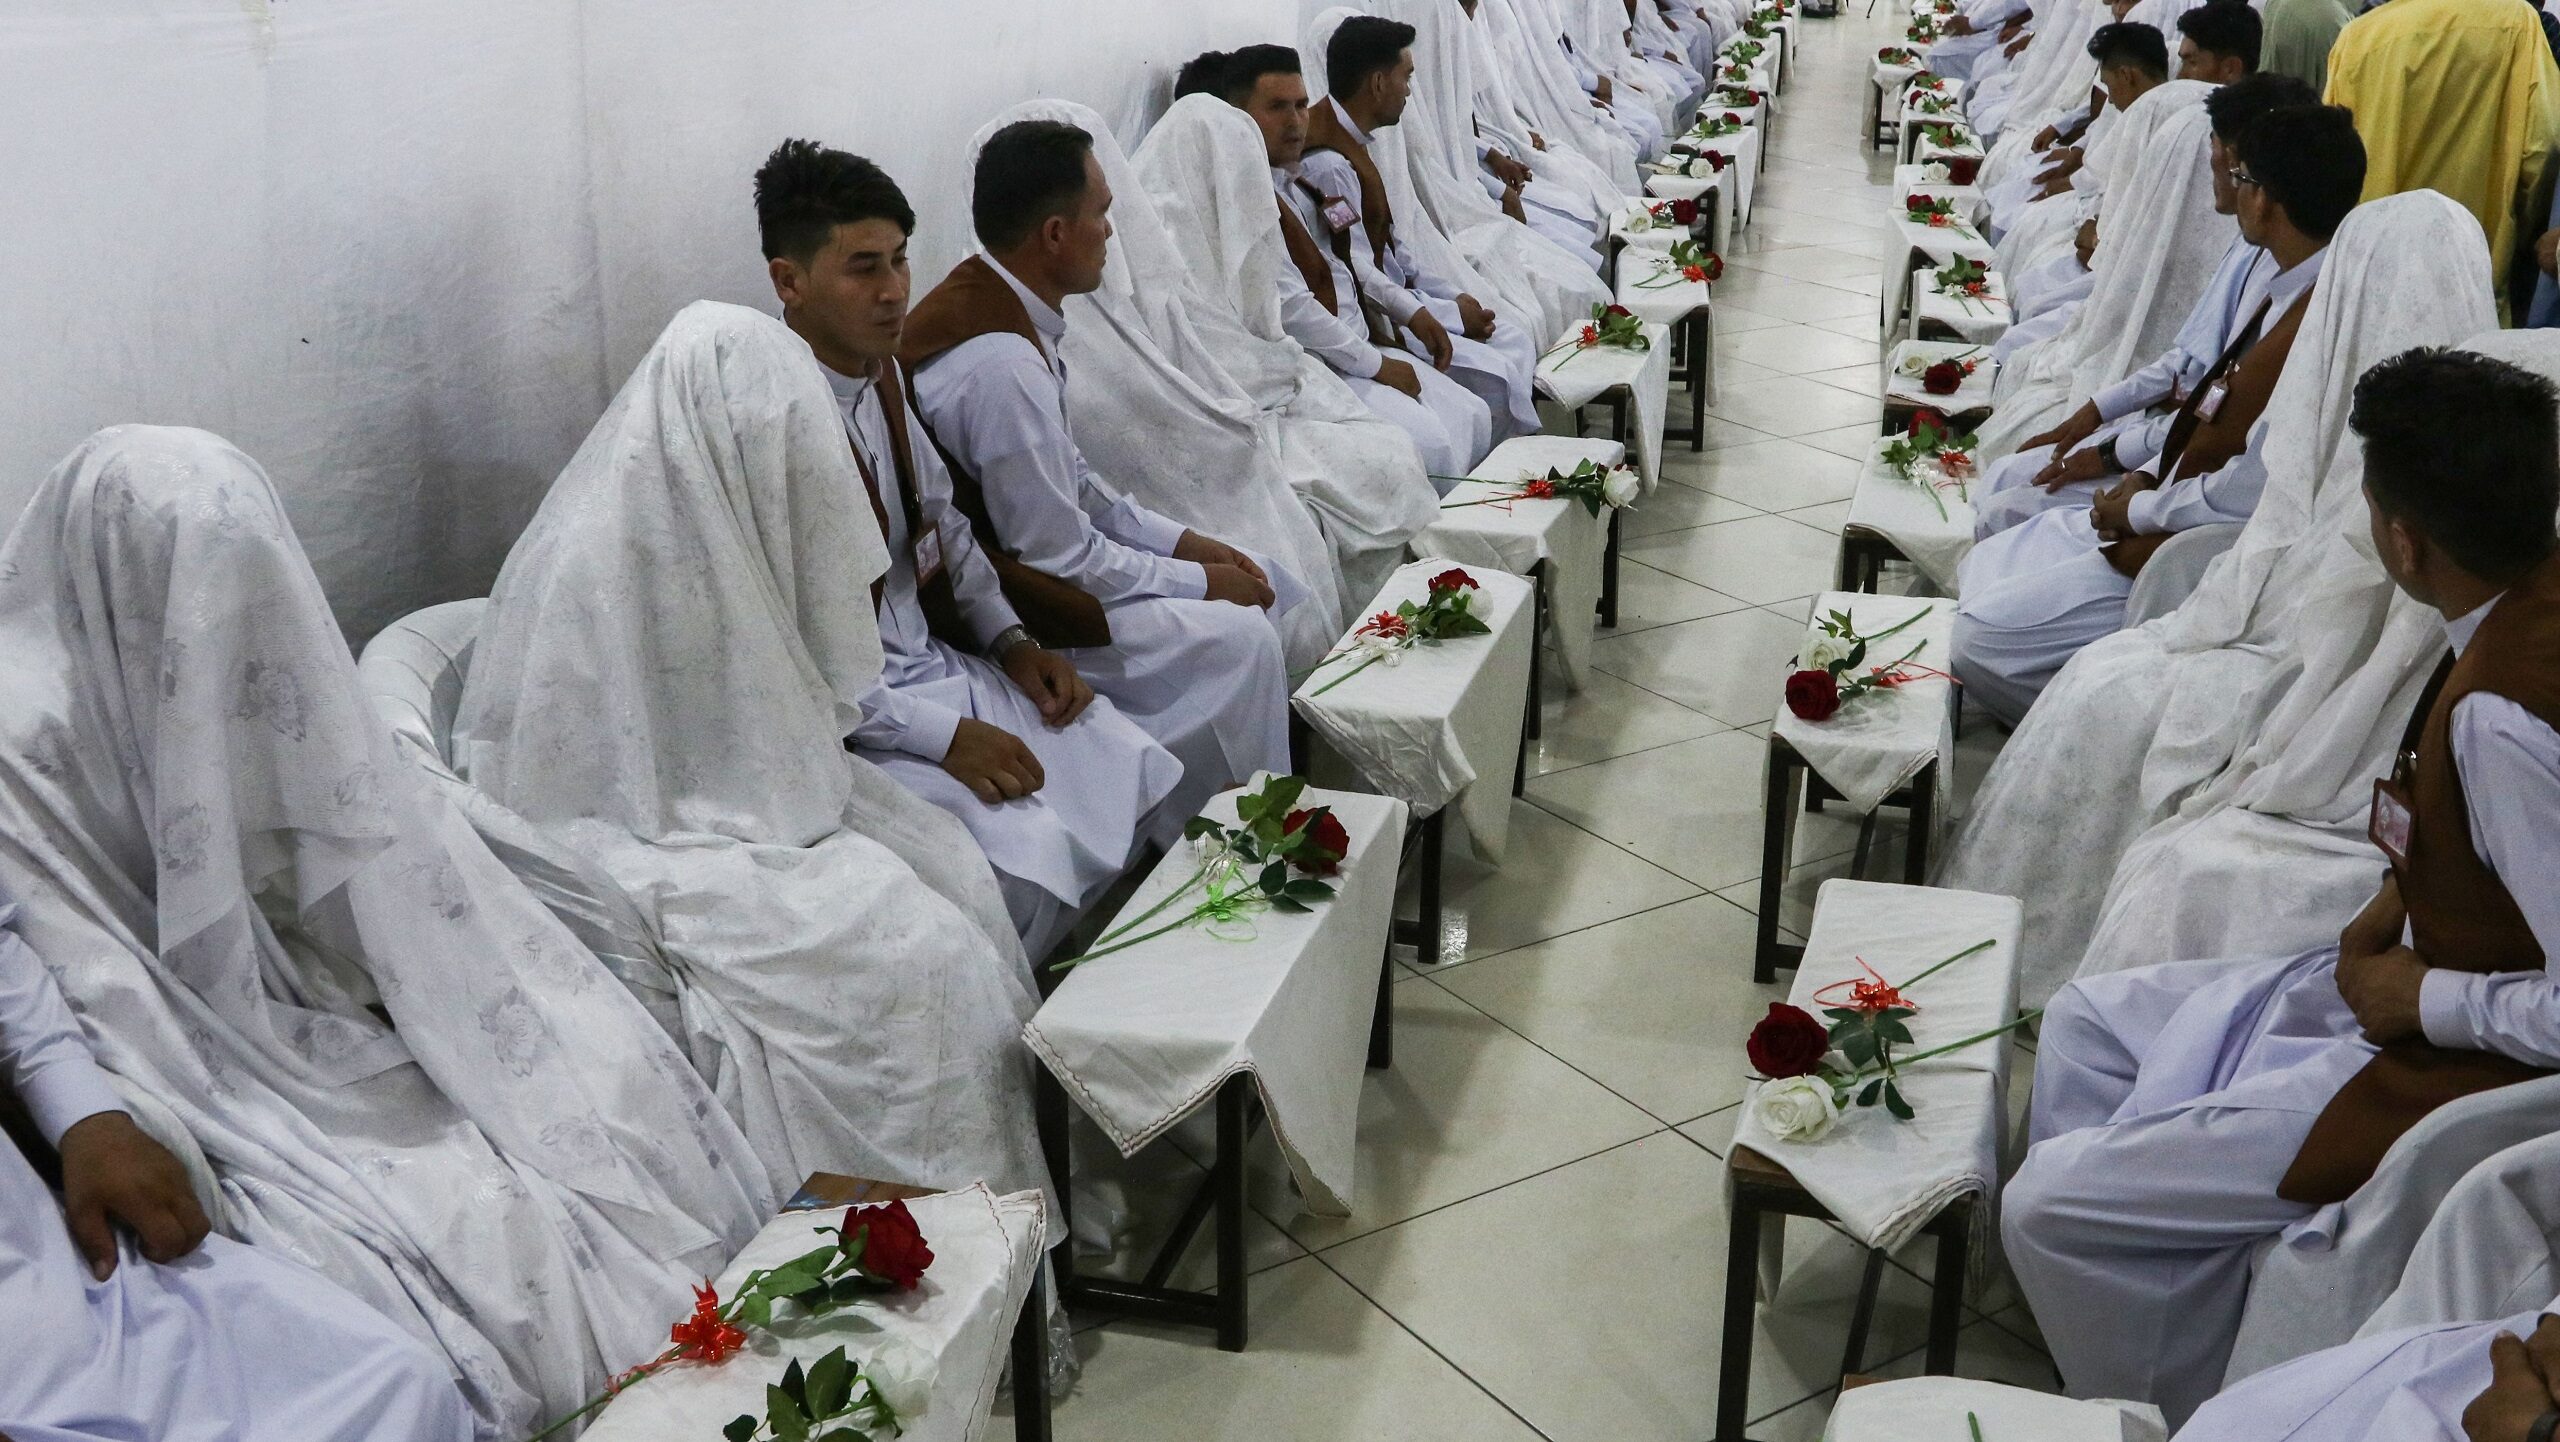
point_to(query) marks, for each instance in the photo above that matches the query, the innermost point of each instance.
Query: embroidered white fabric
(958, 1321)
(1516, 535)
(1901, 511)
(1874, 742)
(1885, 1179)
(1144, 1037)
(2139, 720)
(1575, 378)
(227, 866)
(1435, 724)
(663, 681)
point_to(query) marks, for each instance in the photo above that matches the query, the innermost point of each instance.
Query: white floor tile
(1612, 718)
(1761, 559)
(1692, 809)
(1674, 506)
(1581, 880)
(1773, 475)
(1799, 349)
(1649, 598)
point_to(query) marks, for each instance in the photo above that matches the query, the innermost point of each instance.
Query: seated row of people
(847, 661)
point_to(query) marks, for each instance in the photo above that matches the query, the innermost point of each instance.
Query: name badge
(2391, 826)
(928, 554)
(2211, 404)
(1339, 215)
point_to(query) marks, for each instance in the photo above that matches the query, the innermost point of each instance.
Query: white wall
(402, 251)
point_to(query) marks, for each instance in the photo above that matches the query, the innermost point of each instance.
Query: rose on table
(1803, 1094)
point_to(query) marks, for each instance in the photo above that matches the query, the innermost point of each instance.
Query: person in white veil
(670, 662)
(2039, 247)
(2141, 718)
(1552, 103)
(301, 970)
(1357, 150)
(2271, 854)
(2045, 88)
(1564, 186)
(1204, 167)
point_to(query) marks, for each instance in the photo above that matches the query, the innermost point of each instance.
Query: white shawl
(227, 867)
(668, 666)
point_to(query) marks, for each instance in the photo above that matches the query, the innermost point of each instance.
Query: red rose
(1684, 212)
(1915, 201)
(1326, 842)
(1787, 1042)
(893, 1247)
(1732, 119)
(1924, 416)
(1813, 695)
(1942, 378)
(1718, 159)
(1453, 578)
(1620, 310)
(1961, 169)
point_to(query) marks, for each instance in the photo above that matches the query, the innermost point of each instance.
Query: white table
(1940, 1406)
(1287, 1011)
(1892, 517)
(1885, 748)
(1976, 320)
(1914, 180)
(1555, 543)
(1885, 1181)
(1919, 149)
(1912, 244)
(1629, 380)
(1660, 295)
(986, 1258)
(1437, 726)
(1905, 394)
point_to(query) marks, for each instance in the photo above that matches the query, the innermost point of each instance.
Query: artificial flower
(903, 1375)
(1453, 578)
(1942, 378)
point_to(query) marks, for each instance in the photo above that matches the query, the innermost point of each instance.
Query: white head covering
(1155, 406)
(219, 854)
(2053, 72)
(1508, 122)
(1549, 95)
(665, 674)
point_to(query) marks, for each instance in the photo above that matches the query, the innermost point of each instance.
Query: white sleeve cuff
(2444, 1007)
(65, 1093)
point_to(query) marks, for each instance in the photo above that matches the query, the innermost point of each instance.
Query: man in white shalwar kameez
(1972, 32)
(374, 1050)
(2034, 594)
(1173, 627)
(1369, 69)
(2185, 1112)
(2137, 722)
(135, 1322)
(2121, 427)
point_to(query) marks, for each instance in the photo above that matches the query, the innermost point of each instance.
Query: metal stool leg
(1031, 1365)
(1233, 1099)
(1741, 1275)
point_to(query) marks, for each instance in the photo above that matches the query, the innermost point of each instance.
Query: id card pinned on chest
(928, 555)
(2392, 825)
(1339, 214)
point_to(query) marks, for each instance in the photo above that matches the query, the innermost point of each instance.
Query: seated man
(1369, 65)
(2044, 243)
(2121, 428)
(137, 1323)
(969, 712)
(1323, 305)
(1172, 626)
(1974, 32)
(2469, 1382)
(2184, 1113)
(2034, 594)
(2218, 42)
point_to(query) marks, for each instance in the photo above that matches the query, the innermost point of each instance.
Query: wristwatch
(1008, 638)
(2543, 1426)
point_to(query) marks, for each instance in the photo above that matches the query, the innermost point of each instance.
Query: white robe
(226, 1344)
(226, 866)
(2410, 1384)
(668, 667)
(2139, 719)
(1203, 166)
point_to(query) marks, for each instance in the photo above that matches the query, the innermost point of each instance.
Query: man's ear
(784, 272)
(1053, 233)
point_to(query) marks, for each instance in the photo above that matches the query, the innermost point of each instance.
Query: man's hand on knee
(2521, 1386)
(1050, 680)
(992, 762)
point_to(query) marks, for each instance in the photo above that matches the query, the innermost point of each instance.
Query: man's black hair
(2308, 159)
(2129, 42)
(1203, 74)
(2235, 105)
(804, 191)
(1360, 48)
(1028, 172)
(1246, 67)
(2465, 449)
(2225, 27)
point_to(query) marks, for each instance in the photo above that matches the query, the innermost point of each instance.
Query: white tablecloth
(1933, 1409)
(1875, 741)
(1437, 723)
(1888, 81)
(986, 1253)
(1575, 378)
(1901, 511)
(1979, 320)
(1921, 149)
(1144, 1037)
(1516, 536)
(1884, 1179)
(1973, 395)
(1668, 305)
(1909, 246)
(1914, 180)
(1729, 186)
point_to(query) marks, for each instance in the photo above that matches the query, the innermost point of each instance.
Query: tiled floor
(1539, 1246)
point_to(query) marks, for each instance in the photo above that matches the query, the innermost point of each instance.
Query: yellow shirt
(2458, 96)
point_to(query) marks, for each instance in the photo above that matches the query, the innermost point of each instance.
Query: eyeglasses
(2242, 177)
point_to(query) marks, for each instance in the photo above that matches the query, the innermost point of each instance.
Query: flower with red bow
(706, 1336)
(1866, 1026)
(1614, 326)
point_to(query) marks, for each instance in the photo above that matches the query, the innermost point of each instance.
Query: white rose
(903, 1376)
(1796, 1108)
(1822, 655)
(1702, 169)
(1936, 171)
(1640, 222)
(1621, 486)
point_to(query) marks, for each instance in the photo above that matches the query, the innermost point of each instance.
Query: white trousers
(1955, 56)
(1449, 425)
(2007, 495)
(2410, 1384)
(1205, 680)
(2027, 600)
(1501, 371)
(2031, 332)
(2169, 1103)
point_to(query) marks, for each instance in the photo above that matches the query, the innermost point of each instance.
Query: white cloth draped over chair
(669, 664)
(1205, 170)
(2270, 854)
(228, 866)
(2138, 720)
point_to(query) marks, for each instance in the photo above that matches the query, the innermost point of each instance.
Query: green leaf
(830, 1384)
(1199, 826)
(756, 1310)
(1893, 1031)
(783, 1415)
(1859, 1047)
(1867, 1098)
(1281, 793)
(1273, 879)
(1306, 889)
(1894, 1103)
(1857, 653)
(1285, 902)
(740, 1428)
(795, 1383)
(1842, 1014)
